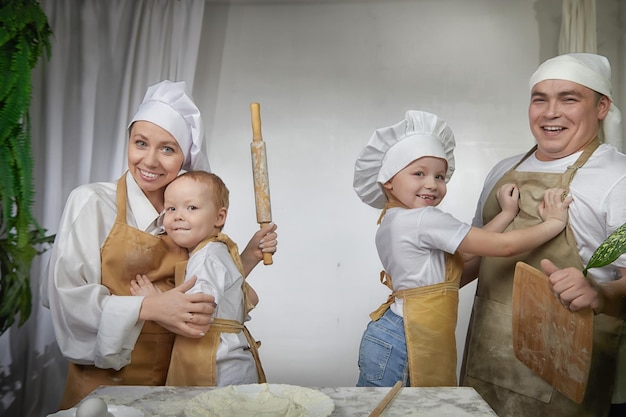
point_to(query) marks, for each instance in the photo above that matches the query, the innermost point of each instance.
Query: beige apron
(193, 361)
(490, 366)
(430, 315)
(125, 253)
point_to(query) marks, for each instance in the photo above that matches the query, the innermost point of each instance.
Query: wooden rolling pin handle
(255, 110)
(267, 257)
(385, 401)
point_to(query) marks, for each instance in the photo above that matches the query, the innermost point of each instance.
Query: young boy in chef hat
(404, 170)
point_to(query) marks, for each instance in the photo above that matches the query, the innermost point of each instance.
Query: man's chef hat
(390, 149)
(592, 71)
(168, 106)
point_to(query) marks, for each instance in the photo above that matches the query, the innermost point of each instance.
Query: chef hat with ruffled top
(592, 71)
(391, 149)
(168, 106)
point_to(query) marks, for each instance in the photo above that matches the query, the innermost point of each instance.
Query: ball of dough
(92, 407)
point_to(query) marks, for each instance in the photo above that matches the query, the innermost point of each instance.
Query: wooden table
(349, 401)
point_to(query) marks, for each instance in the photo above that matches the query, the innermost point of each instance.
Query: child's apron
(193, 361)
(490, 365)
(125, 253)
(430, 315)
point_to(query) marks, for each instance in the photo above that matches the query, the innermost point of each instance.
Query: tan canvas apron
(489, 365)
(193, 361)
(430, 315)
(125, 253)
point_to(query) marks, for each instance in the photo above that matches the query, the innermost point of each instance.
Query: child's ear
(388, 185)
(221, 217)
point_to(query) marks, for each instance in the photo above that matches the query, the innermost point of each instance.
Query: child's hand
(142, 285)
(508, 197)
(265, 240)
(554, 205)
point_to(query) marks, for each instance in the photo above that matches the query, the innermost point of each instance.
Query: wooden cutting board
(551, 340)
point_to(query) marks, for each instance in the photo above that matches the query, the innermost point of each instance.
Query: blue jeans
(382, 354)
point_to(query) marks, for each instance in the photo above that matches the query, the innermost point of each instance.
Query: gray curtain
(104, 55)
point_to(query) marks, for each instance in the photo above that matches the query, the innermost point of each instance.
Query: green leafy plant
(24, 37)
(609, 250)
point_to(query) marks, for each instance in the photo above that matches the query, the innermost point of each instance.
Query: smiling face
(154, 159)
(564, 117)
(422, 183)
(191, 212)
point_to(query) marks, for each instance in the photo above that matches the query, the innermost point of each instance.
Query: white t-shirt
(599, 199)
(218, 275)
(411, 245)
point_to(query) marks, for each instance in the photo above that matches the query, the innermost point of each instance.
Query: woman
(108, 235)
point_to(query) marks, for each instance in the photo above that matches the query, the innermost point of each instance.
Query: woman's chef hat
(168, 106)
(592, 71)
(390, 149)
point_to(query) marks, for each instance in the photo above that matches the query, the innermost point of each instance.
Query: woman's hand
(265, 240)
(188, 315)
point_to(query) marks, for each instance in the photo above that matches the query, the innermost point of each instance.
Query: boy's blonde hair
(218, 189)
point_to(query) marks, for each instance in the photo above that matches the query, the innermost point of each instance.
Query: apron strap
(385, 279)
(120, 197)
(582, 159)
(179, 272)
(568, 175)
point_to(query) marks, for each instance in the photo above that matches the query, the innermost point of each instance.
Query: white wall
(326, 75)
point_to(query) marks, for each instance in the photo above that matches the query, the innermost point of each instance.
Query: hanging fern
(24, 37)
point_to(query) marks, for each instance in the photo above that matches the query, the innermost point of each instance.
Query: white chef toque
(167, 105)
(391, 149)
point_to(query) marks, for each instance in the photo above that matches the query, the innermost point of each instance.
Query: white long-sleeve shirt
(91, 325)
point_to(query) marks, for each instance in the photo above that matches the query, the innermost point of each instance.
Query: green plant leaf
(24, 37)
(609, 250)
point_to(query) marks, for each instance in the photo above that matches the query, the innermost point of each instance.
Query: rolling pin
(259, 173)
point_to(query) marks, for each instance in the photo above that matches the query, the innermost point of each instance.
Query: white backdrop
(326, 73)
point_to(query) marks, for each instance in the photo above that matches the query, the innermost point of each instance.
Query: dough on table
(257, 400)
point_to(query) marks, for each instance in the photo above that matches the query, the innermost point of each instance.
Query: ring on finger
(190, 317)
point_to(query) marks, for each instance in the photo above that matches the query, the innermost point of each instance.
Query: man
(570, 112)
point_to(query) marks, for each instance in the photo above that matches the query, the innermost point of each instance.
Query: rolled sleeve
(118, 332)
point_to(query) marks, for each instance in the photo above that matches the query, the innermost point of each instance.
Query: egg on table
(93, 407)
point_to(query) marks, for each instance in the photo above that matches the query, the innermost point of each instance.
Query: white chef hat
(390, 149)
(592, 71)
(167, 105)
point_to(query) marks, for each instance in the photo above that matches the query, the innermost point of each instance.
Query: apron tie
(385, 279)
